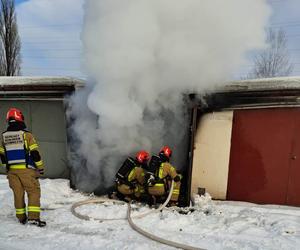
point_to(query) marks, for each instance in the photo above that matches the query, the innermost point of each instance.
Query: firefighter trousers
(159, 191)
(21, 181)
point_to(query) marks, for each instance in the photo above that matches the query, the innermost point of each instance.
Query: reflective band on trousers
(20, 211)
(33, 209)
(175, 191)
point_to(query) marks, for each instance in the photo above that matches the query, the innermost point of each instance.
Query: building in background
(244, 137)
(245, 142)
(41, 99)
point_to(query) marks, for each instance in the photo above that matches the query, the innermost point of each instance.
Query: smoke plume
(141, 57)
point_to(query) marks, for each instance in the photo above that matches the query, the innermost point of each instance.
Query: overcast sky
(50, 34)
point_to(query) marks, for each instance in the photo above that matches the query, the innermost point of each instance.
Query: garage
(246, 142)
(264, 162)
(42, 101)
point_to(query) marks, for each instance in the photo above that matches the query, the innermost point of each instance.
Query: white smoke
(141, 56)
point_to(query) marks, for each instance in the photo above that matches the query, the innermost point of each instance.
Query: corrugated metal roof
(265, 92)
(40, 81)
(50, 87)
(261, 84)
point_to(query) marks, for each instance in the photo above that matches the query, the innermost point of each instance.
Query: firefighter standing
(19, 151)
(131, 177)
(164, 174)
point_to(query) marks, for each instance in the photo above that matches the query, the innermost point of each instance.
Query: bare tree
(10, 45)
(273, 61)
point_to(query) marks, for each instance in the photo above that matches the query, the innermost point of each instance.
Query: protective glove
(177, 178)
(151, 180)
(132, 185)
(40, 171)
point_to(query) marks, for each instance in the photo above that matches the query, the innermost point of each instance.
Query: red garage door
(265, 156)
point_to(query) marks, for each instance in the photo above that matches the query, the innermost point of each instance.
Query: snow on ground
(213, 224)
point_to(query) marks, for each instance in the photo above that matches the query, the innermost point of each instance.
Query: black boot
(120, 196)
(151, 201)
(23, 221)
(37, 222)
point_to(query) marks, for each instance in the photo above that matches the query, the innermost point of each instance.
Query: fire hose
(130, 221)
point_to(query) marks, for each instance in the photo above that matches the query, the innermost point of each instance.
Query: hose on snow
(129, 218)
(102, 200)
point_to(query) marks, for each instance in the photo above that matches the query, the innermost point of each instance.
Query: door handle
(294, 157)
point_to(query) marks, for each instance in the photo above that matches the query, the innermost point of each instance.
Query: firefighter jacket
(164, 175)
(19, 150)
(134, 183)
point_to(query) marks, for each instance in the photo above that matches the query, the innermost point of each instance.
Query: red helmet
(14, 114)
(142, 156)
(166, 151)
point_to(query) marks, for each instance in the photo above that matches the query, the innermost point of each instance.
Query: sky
(50, 36)
(285, 15)
(50, 32)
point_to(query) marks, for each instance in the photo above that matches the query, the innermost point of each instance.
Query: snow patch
(209, 224)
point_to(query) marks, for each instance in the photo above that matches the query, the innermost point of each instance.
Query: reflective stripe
(14, 147)
(160, 172)
(25, 142)
(17, 166)
(130, 176)
(15, 155)
(175, 191)
(34, 209)
(39, 163)
(20, 210)
(33, 146)
(159, 184)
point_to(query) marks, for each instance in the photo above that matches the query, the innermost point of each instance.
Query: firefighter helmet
(142, 156)
(166, 151)
(14, 114)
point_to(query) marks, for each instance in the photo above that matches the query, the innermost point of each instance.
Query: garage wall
(46, 120)
(211, 154)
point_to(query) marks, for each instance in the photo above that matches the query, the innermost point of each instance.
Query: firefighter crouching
(164, 174)
(131, 177)
(19, 151)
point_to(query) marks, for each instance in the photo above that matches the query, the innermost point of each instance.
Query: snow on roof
(40, 81)
(276, 83)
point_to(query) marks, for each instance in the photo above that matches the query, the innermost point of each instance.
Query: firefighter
(164, 174)
(19, 151)
(131, 176)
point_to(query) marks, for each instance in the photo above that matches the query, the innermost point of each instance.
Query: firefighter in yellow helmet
(131, 176)
(19, 151)
(164, 174)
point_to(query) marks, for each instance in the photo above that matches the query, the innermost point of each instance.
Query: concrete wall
(211, 154)
(46, 120)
